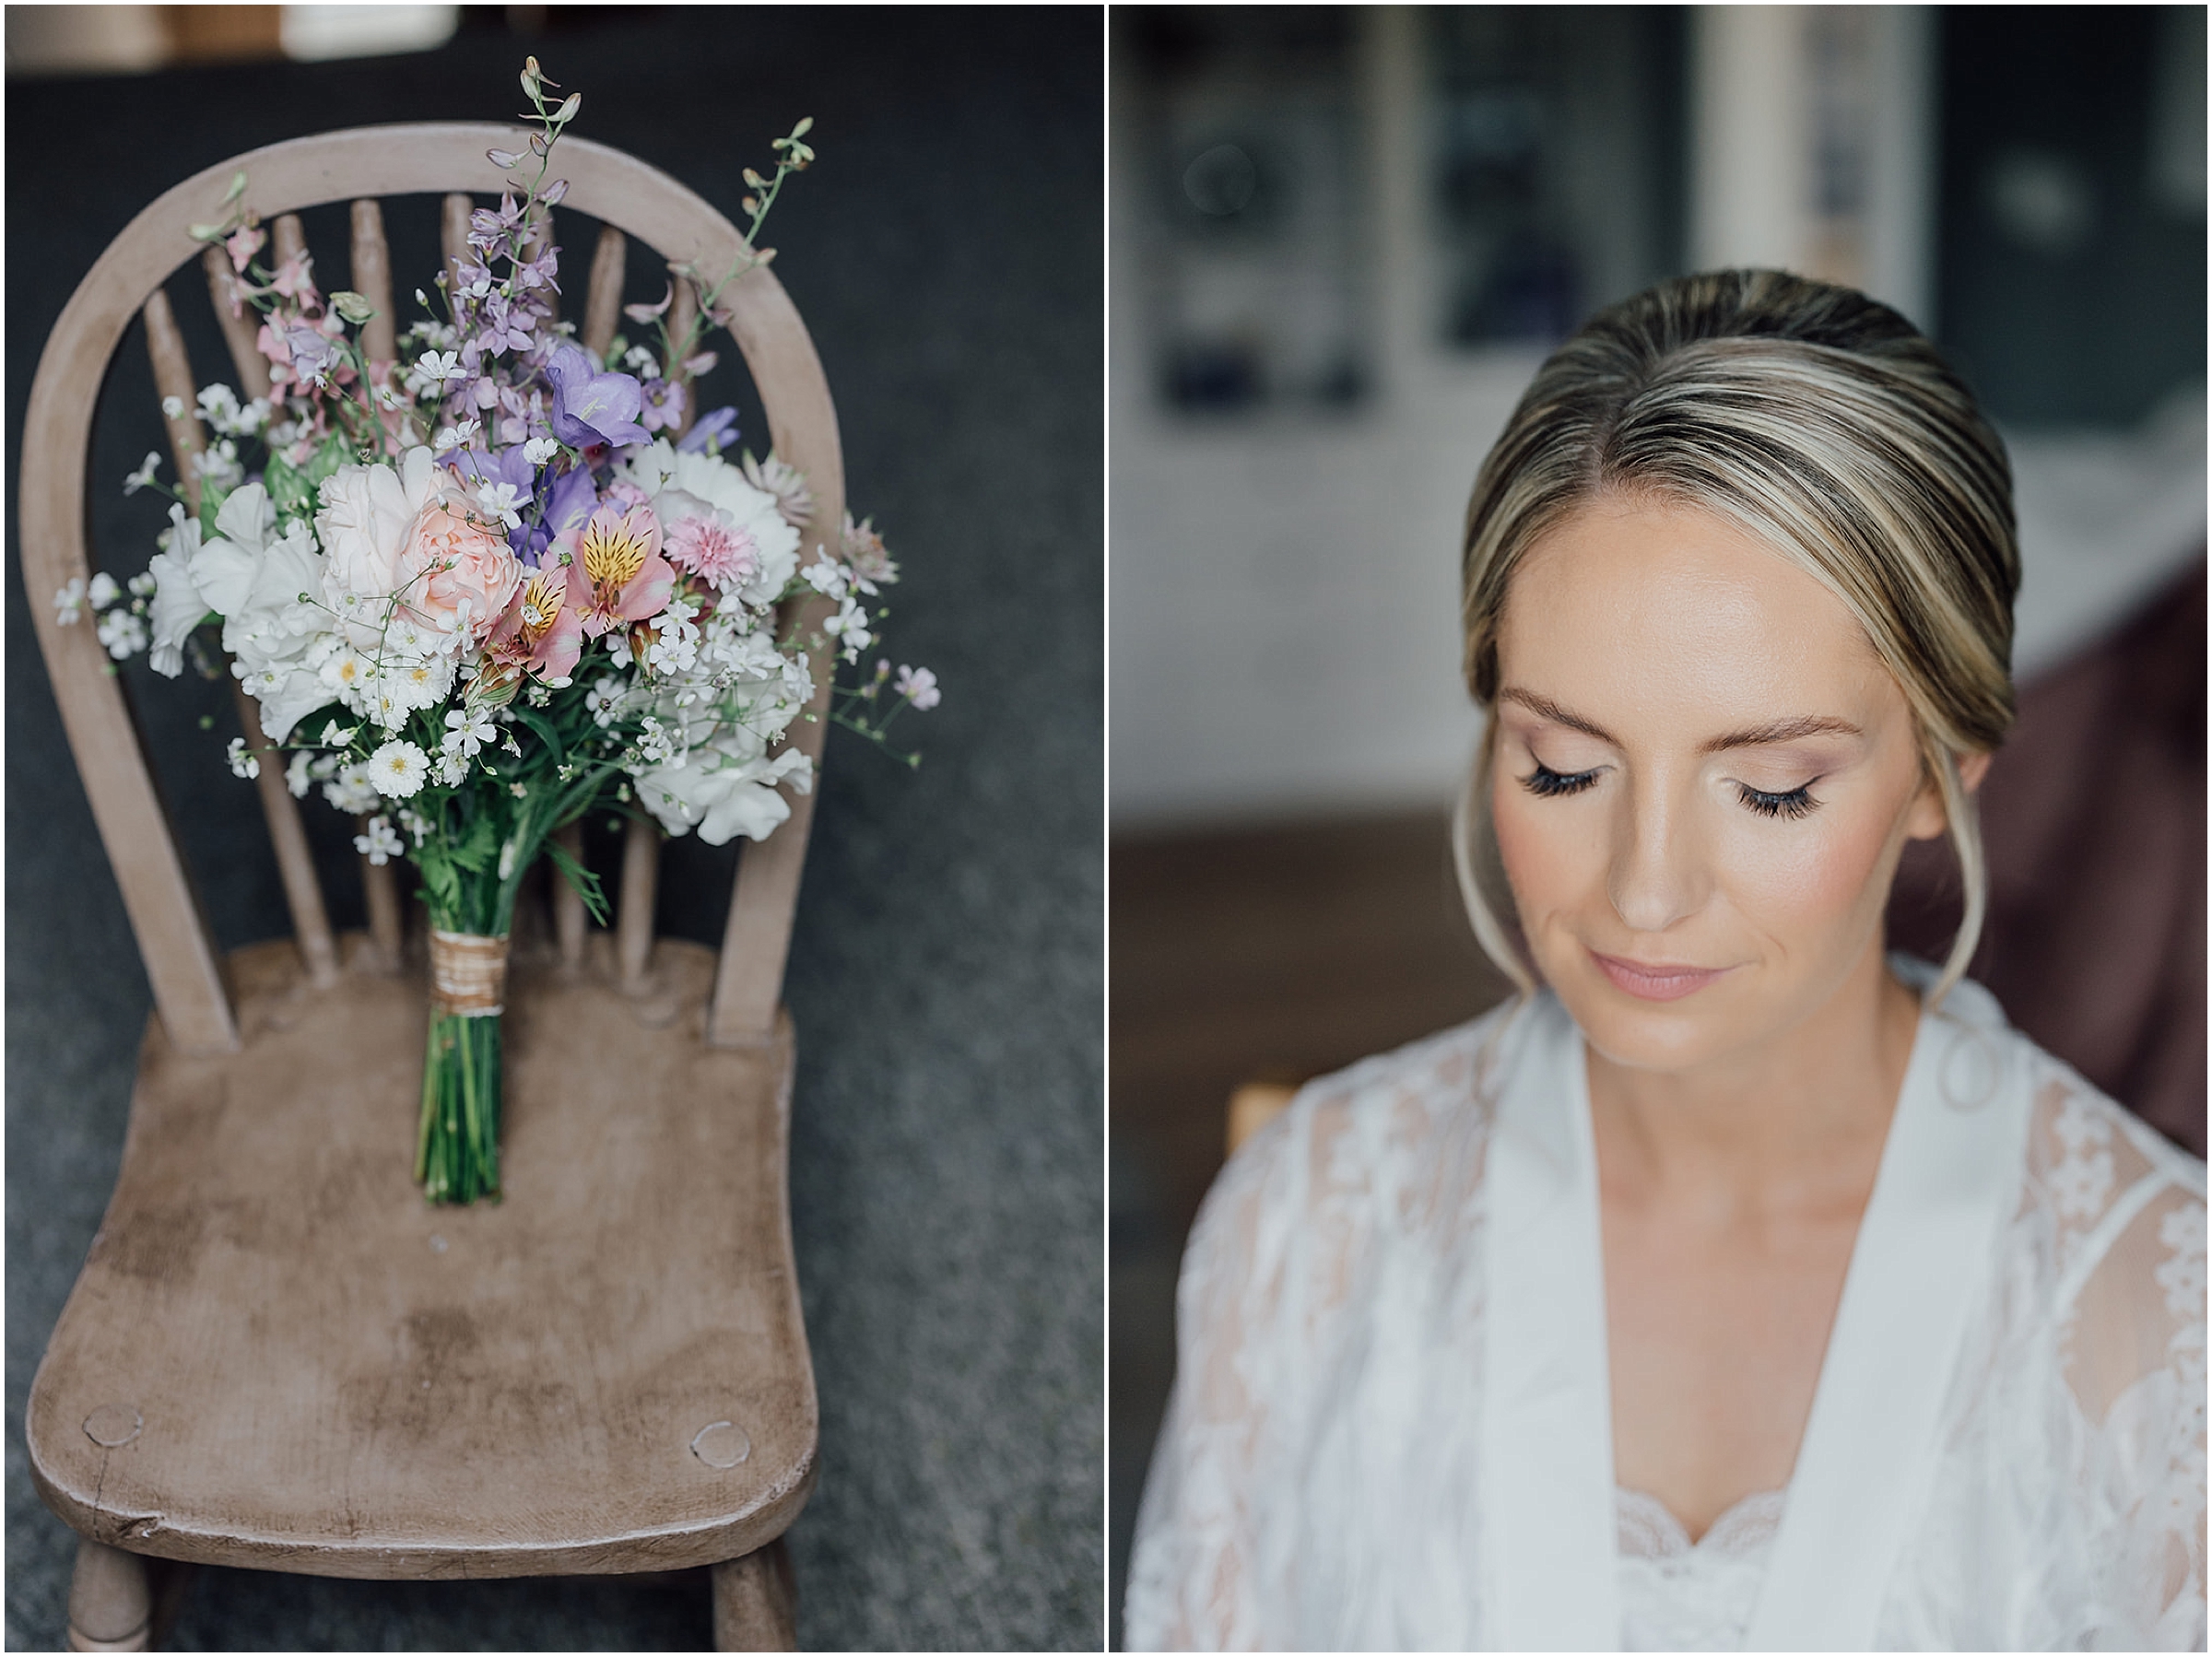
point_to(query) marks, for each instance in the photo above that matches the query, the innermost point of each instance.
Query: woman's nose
(1655, 880)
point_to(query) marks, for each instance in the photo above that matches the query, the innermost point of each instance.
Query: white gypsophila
(351, 791)
(123, 634)
(179, 605)
(103, 591)
(664, 467)
(849, 627)
(242, 764)
(296, 774)
(398, 769)
(69, 602)
(382, 843)
(218, 466)
(467, 729)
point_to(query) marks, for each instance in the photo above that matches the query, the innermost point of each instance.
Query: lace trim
(1646, 1527)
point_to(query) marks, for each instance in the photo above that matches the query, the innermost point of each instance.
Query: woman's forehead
(1664, 605)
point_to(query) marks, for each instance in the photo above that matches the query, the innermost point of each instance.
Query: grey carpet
(946, 976)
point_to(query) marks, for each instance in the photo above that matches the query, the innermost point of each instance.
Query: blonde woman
(1737, 1286)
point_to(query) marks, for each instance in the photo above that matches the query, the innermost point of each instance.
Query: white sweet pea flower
(264, 583)
(724, 791)
(179, 605)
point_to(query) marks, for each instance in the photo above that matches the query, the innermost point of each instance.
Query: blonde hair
(1815, 419)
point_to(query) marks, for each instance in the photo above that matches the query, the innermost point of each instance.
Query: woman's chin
(1648, 1014)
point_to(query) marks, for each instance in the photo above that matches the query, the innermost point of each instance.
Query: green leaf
(289, 488)
(587, 884)
(543, 727)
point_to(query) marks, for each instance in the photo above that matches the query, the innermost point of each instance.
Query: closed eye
(1547, 783)
(1797, 803)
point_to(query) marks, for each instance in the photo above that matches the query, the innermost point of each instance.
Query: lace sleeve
(1189, 1568)
(2131, 1238)
(1266, 1267)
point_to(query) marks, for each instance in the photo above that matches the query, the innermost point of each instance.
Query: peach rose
(401, 547)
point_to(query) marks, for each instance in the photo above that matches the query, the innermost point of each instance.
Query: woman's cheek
(1545, 848)
(1798, 882)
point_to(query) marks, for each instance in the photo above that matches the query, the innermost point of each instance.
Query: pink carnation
(708, 545)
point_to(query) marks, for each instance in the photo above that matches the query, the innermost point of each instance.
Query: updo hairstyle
(1819, 422)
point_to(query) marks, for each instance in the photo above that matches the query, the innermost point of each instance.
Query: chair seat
(280, 1356)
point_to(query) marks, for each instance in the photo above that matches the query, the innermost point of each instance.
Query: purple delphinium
(717, 425)
(570, 502)
(591, 408)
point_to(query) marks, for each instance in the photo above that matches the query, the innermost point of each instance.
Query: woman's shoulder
(2111, 1209)
(1377, 1127)
(1383, 1098)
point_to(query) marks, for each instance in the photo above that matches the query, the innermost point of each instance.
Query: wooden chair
(277, 1354)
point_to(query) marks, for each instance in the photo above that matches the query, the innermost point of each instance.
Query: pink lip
(1656, 981)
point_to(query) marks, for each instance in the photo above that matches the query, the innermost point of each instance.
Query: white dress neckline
(1918, 1265)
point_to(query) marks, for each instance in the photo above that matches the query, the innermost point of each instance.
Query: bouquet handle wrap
(468, 974)
(457, 1144)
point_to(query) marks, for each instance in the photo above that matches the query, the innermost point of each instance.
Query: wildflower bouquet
(479, 590)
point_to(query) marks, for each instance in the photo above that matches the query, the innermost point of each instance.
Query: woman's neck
(1769, 1129)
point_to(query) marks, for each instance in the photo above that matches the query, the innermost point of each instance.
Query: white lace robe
(1391, 1429)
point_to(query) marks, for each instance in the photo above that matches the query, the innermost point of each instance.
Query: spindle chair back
(649, 1093)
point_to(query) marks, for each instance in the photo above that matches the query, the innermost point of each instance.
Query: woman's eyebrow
(1547, 709)
(1784, 729)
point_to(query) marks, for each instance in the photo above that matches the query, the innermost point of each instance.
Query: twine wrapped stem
(468, 974)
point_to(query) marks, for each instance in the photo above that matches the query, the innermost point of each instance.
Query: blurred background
(1344, 239)
(946, 252)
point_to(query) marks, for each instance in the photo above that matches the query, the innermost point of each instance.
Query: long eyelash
(1797, 803)
(1547, 783)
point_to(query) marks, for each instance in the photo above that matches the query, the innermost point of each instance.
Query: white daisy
(397, 770)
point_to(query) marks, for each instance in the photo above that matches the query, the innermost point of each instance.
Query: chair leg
(755, 1601)
(110, 1601)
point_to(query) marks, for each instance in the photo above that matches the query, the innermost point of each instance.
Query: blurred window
(1559, 161)
(2073, 216)
(1252, 208)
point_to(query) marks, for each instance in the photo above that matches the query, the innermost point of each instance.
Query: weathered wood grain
(315, 1371)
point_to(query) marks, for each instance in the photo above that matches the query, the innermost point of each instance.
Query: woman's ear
(1927, 819)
